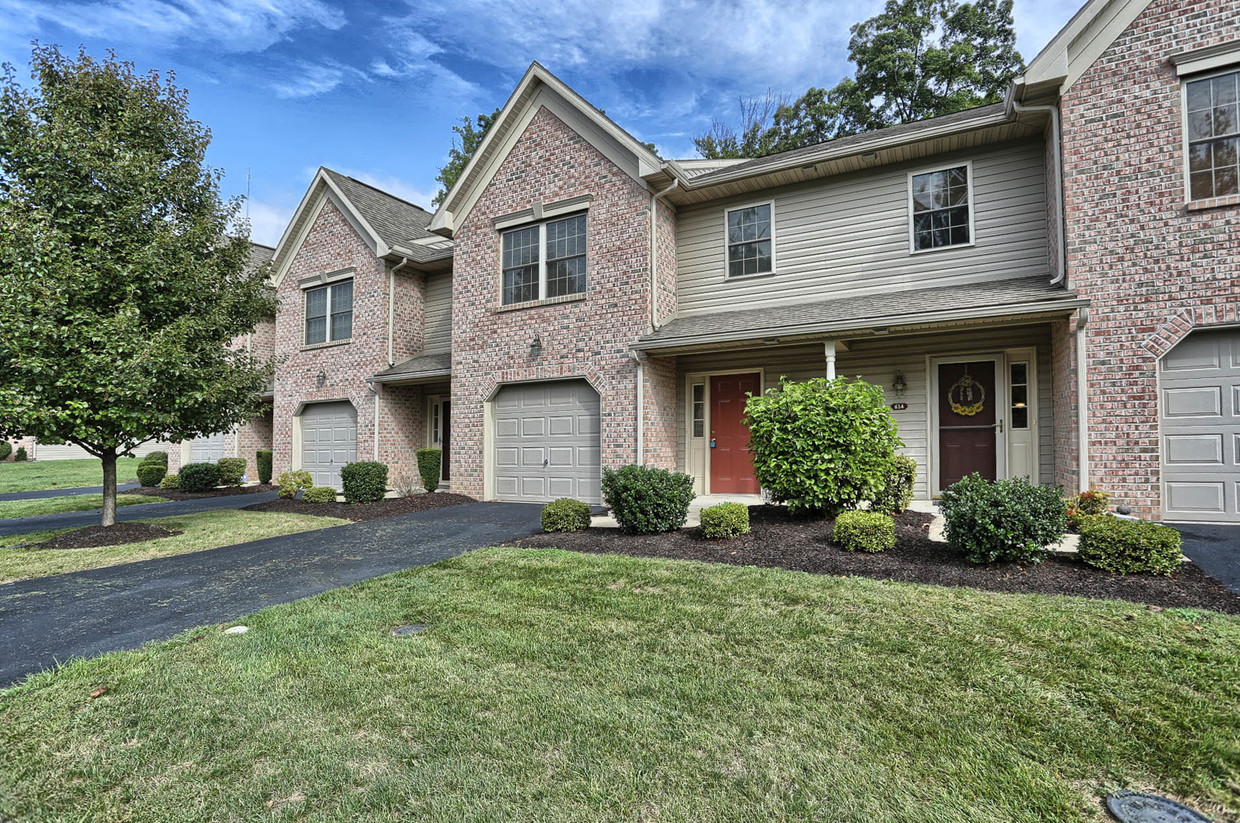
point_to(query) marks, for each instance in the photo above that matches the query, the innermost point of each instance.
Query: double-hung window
(750, 240)
(545, 260)
(329, 313)
(941, 208)
(1213, 115)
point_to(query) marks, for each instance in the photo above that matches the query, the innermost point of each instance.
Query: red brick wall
(1134, 248)
(584, 338)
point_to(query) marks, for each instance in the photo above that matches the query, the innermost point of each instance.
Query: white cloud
(313, 79)
(268, 220)
(1037, 21)
(411, 59)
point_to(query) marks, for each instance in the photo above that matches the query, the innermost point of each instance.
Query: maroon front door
(731, 469)
(967, 407)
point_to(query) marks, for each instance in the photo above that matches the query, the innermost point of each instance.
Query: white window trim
(912, 235)
(1185, 79)
(305, 315)
(727, 260)
(542, 262)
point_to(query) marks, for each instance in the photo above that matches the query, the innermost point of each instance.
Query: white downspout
(1059, 212)
(1082, 394)
(404, 261)
(376, 389)
(654, 255)
(641, 391)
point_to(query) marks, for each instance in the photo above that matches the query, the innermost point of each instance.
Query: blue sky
(372, 89)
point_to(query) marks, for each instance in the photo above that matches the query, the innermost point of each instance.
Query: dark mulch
(364, 511)
(226, 491)
(93, 537)
(803, 544)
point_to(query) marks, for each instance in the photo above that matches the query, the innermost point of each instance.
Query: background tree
(469, 136)
(915, 59)
(123, 275)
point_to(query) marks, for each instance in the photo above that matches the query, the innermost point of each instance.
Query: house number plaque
(899, 406)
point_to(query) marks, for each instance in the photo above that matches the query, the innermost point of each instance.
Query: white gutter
(1082, 394)
(404, 261)
(641, 440)
(1059, 212)
(654, 255)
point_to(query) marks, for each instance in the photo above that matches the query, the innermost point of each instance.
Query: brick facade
(1153, 269)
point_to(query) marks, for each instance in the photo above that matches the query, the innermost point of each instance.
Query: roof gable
(1079, 44)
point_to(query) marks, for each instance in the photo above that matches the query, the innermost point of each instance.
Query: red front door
(967, 407)
(731, 469)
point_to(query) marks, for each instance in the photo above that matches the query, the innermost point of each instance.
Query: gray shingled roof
(422, 365)
(399, 224)
(1017, 296)
(259, 254)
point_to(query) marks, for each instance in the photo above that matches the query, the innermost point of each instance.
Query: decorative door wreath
(960, 396)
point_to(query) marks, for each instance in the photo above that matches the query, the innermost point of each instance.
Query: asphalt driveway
(1215, 548)
(82, 614)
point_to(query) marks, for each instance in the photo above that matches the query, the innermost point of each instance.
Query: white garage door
(1199, 426)
(206, 449)
(545, 442)
(68, 451)
(328, 441)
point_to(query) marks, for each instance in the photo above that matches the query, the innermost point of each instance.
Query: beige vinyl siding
(876, 360)
(438, 316)
(69, 451)
(850, 235)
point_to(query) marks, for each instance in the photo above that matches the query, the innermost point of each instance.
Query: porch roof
(916, 307)
(420, 368)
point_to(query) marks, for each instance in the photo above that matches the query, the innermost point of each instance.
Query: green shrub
(170, 481)
(822, 445)
(262, 460)
(897, 491)
(565, 515)
(151, 474)
(232, 470)
(1092, 502)
(199, 477)
(646, 500)
(319, 494)
(1007, 520)
(364, 481)
(6, 448)
(725, 520)
(1126, 546)
(857, 531)
(429, 466)
(157, 457)
(292, 482)
(20, 455)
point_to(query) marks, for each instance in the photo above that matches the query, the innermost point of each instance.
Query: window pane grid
(941, 208)
(749, 241)
(523, 257)
(566, 256)
(1214, 136)
(329, 313)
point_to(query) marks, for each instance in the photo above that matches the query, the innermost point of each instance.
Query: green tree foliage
(469, 136)
(123, 275)
(915, 59)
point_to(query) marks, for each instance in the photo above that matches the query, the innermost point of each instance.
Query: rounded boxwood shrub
(897, 491)
(1006, 520)
(364, 481)
(565, 515)
(858, 531)
(1115, 544)
(6, 448)
(822, 445)
(429, 466)
(199, 477)
(171, 482)
(262, 460)
(319, 494)
(151, 474)
(232, 470)
(292, 482)
(646, 500)
(157, 457)
(20, 455)
(725, 520)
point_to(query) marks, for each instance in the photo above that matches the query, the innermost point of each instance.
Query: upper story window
(329, 313)
(1213, 108)
(750, 240)
(941, 208)
(545, 260)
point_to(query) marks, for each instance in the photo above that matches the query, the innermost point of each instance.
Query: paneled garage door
(545, 442)
(328, 440)
(1199, 426)
(206, 449)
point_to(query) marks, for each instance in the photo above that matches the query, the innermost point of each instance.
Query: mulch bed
(779, 540)
(92, 537)
(227, 491)
(364, 511)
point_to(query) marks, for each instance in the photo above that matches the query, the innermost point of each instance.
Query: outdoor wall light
(321, 379)
(899, 387)
(536, 346)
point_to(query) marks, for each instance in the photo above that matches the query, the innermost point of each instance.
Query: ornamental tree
(822, 445)
(123, 274)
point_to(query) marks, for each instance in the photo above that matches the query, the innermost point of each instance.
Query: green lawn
(61, 474)
(74, 503)
(561, 687)
(205, 530)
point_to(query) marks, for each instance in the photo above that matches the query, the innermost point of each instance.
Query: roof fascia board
(411, 377)
(1081, 42)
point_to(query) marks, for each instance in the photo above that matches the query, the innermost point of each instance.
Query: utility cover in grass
(1135, 807)
(406, 631)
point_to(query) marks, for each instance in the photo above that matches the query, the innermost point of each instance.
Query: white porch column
(829, 350)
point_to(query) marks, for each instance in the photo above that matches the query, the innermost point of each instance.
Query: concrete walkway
(45, 493)
(82, 614)
(90, 517)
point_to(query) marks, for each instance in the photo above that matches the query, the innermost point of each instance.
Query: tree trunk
(109, 487)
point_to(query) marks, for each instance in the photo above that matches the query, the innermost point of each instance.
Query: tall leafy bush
(262, 459)
(429, 465)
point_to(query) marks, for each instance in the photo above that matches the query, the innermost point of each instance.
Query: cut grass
(74, 503)
(40, 475)
(560, 687)
(205, 530)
